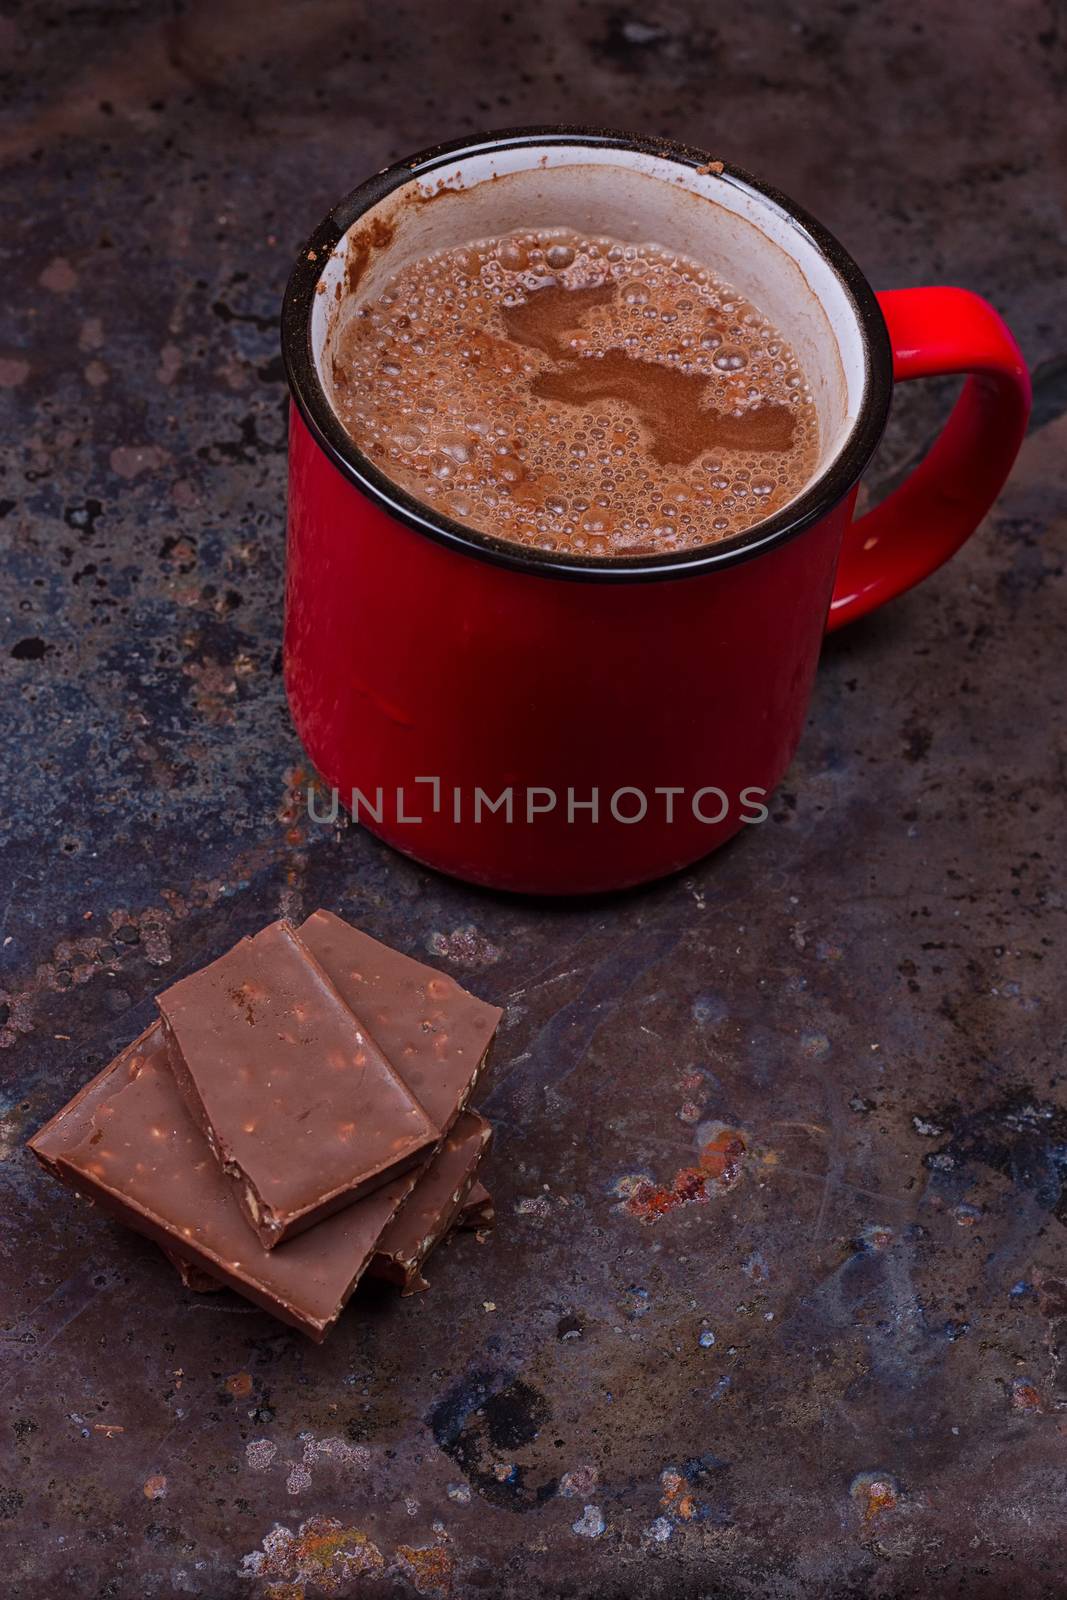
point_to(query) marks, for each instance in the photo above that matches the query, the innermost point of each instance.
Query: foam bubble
(431, 385)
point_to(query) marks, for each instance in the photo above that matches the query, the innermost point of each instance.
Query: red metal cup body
(408, 660)
(556, 725)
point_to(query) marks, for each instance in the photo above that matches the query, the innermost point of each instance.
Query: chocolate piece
(478, 1211)
(70, 1125)
(128, 1142)
(192, 1276)
(435, 1202)
(301, 1108)
(435, 1034)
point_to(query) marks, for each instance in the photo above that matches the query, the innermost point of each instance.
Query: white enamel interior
(738, 233)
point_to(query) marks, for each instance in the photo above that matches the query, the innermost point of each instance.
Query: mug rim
(822, 494)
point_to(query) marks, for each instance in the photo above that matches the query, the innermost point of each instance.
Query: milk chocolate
(433, 1206)
(478, 1211)
(128, 1142)
(192, 1276)
(474, 1212)
(70, 1124)
(436, 1035)
(299, 1105)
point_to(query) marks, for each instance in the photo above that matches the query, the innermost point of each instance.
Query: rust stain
(155, 1487)
(876, 1236)
(719, 1167)
(239, 1384)
(1025, 1396)
(291, 807)
(323, 1552)
(874, 1493)
(293, 817)
(580, 1482)
(465, 947)
(722, 1156)
(677, 1497)
(215, 684)
(429, 1568)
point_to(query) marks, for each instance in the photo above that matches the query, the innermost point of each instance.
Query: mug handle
(934, 332)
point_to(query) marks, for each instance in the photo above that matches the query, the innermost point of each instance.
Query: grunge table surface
(840, 1372)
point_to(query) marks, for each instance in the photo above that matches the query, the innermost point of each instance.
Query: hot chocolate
(576, 394)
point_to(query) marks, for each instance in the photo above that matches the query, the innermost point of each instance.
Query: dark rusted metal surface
(840, 1372)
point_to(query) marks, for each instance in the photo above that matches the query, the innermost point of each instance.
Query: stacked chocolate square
(295, 1117)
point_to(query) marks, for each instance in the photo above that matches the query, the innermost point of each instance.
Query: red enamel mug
(564, 723)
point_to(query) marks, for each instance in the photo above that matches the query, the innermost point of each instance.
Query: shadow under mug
(559, 723)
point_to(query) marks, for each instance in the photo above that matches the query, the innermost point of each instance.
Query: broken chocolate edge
(407, 1271)
(296, 1222)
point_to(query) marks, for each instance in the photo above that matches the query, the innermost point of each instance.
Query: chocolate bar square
(433, 1205)
(436, 1035)
(447, 1196)
(127, 1141)
(477, 1211)
(298, 1103)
